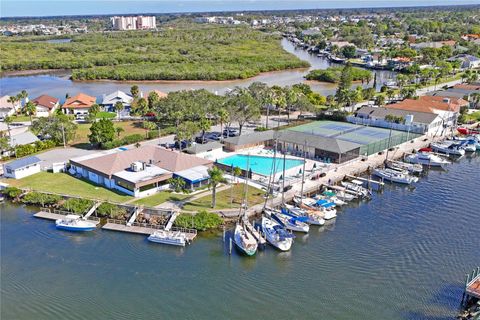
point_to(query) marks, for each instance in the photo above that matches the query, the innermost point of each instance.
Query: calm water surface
(58, 83)
(402, 255)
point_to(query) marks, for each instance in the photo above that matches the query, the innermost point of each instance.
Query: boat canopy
(328, 205)
(329, 193)
(72, 216)
(321, 202)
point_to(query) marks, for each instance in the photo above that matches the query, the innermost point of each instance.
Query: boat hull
(73, 228)
(166, 241)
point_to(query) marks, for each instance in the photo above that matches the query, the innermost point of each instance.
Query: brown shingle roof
(81, 100)
(172, 161)
(467, 86)
(45, 101)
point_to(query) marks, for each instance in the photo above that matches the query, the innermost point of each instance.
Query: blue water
(401, 256)
(258, 164)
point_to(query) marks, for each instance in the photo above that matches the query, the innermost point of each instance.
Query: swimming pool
(260, 165)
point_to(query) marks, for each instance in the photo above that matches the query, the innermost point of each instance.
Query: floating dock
(54, 216)
(137, 228)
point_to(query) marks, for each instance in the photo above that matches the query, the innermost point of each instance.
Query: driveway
(61, 155)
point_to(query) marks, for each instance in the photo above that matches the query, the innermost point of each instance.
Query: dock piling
(230, 246)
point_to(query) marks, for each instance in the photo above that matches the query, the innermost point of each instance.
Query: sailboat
(303, 214)
(244, 240)
(276, 235)
(290, 223)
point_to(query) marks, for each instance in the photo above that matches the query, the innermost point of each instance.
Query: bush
(79, 206)
(110, 210)
(11, 192)
(153, 134)
(333, 74)
(260, 129)
(28, 149)
(202, 221)
(42, 199)
(133, 138)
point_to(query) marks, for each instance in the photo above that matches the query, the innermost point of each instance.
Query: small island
(180, 53)
(333, 74)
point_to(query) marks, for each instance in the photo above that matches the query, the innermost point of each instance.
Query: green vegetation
(469, 118)
(106, 115)
(79, 206)
(186, 53)
(28, 149)
(62, 183)
(202, 221)
(110, 210)
(225, 199)
(333, 74)
(160, 197)
(12, 192)
(41, 199)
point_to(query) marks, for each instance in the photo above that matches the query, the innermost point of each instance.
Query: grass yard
(129, 127)
(106, 115)
(472, 117)
(255, 196)
(63, 183)
(21, 118)
(159, 198)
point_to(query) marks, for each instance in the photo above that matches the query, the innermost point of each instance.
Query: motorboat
(342, 195)
(328, 208)
(332, 196)
(311, 206)
(73, 222)
(427, 159)
(455, 149)
(244, 240)
(276, 235)
(356, 186)
(300, 213)
(291, 223)
(175, 238)
(400, 166)
(395, 176)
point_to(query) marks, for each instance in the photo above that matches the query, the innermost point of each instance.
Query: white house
(79, 105)
(22, 168)
(7, 108)
(110, 100)
(46, 105)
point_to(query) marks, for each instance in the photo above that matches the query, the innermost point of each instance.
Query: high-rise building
(133, 22)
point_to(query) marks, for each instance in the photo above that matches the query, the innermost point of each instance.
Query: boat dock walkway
(143, 228)
(58, 215)
(171, 220)
(92, 210)
(472, 287)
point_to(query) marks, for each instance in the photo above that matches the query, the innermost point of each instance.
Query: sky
(15, 8)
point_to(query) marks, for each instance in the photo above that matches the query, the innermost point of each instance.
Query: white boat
(291, 223)
(332, 196)
(276, 235)
(427, 159)
(311, 206)
(175, 238)
(244, 240)
(448, 148)
(395, 176)
(356, 186)
(73, 222)
(399, 165)
(301, 213)
(342, 195)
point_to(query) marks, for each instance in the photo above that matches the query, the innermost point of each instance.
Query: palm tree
(13, 100)
(8, 120)
(119, 107)
(22, 96)
(119, 130)
(223, 117)
(216, 177)
(134, 90)
(30, 108)
(204, 125)
(380, 100)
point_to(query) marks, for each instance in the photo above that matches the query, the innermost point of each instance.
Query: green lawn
(21, 118)
(472, 117)
(224, 200)
(106, 115)
(129, 127)
(63, 183)
(159, 198)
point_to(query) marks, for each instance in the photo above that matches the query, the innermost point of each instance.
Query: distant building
(20, 139)
(468, 61)
(110, 100)
(79, 105)
(22, 168)
(133, 22)
(45, 105)
(7, 108)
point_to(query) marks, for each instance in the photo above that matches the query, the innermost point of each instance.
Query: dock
(470, 308)
(145, 229)
(58, 215)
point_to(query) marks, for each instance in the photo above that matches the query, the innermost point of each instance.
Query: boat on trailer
(73, 222)
(427, 159)
(400, 166)
(244, 240)
(395, 176)
(175, 238)
(275, 234)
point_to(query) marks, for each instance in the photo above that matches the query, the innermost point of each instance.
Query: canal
(58, 84)
(401, 255)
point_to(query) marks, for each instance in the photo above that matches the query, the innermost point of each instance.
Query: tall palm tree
(223, 117)
(216, 177)
(119, 107)
(30, 108)
(8, 120)
(204, 125)
(13, 101)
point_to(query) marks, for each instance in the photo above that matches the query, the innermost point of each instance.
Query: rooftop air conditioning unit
(137, 166)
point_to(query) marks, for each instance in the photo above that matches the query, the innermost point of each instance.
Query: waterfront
(402, 255)
(57, 83)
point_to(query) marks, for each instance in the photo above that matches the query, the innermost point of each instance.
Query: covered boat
(244, 240)
(176, 238)
(427, 159)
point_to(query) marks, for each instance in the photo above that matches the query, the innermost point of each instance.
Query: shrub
(11, 192)
(110, 210)
(77, 205)
(202, 221)
(260, 129)
(133, 138)
(42, 199)
(153, 134)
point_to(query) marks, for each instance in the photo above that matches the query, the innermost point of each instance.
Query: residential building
(7, 108)
(46, 105)
(22, 168)
(209, 149)
(413, 121)
(468, 61)
(247, 141)
(19, 139)
(79, 105)
(110, 100)
(133, 22)
(435, 44)
(141, 171)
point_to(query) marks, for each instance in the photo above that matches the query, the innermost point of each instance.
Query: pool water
(260, 165)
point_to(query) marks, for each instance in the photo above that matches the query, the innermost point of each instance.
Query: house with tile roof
(7, 108)
(79, 105)
(45, 105)
(141, 171)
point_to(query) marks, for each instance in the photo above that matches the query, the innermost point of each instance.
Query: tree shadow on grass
(83, 146)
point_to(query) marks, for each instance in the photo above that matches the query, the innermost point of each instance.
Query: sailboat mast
(283, 174)
(303, 170)
(245, 196)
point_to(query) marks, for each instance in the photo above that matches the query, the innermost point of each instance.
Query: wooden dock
(145, 229)
(54, 216)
